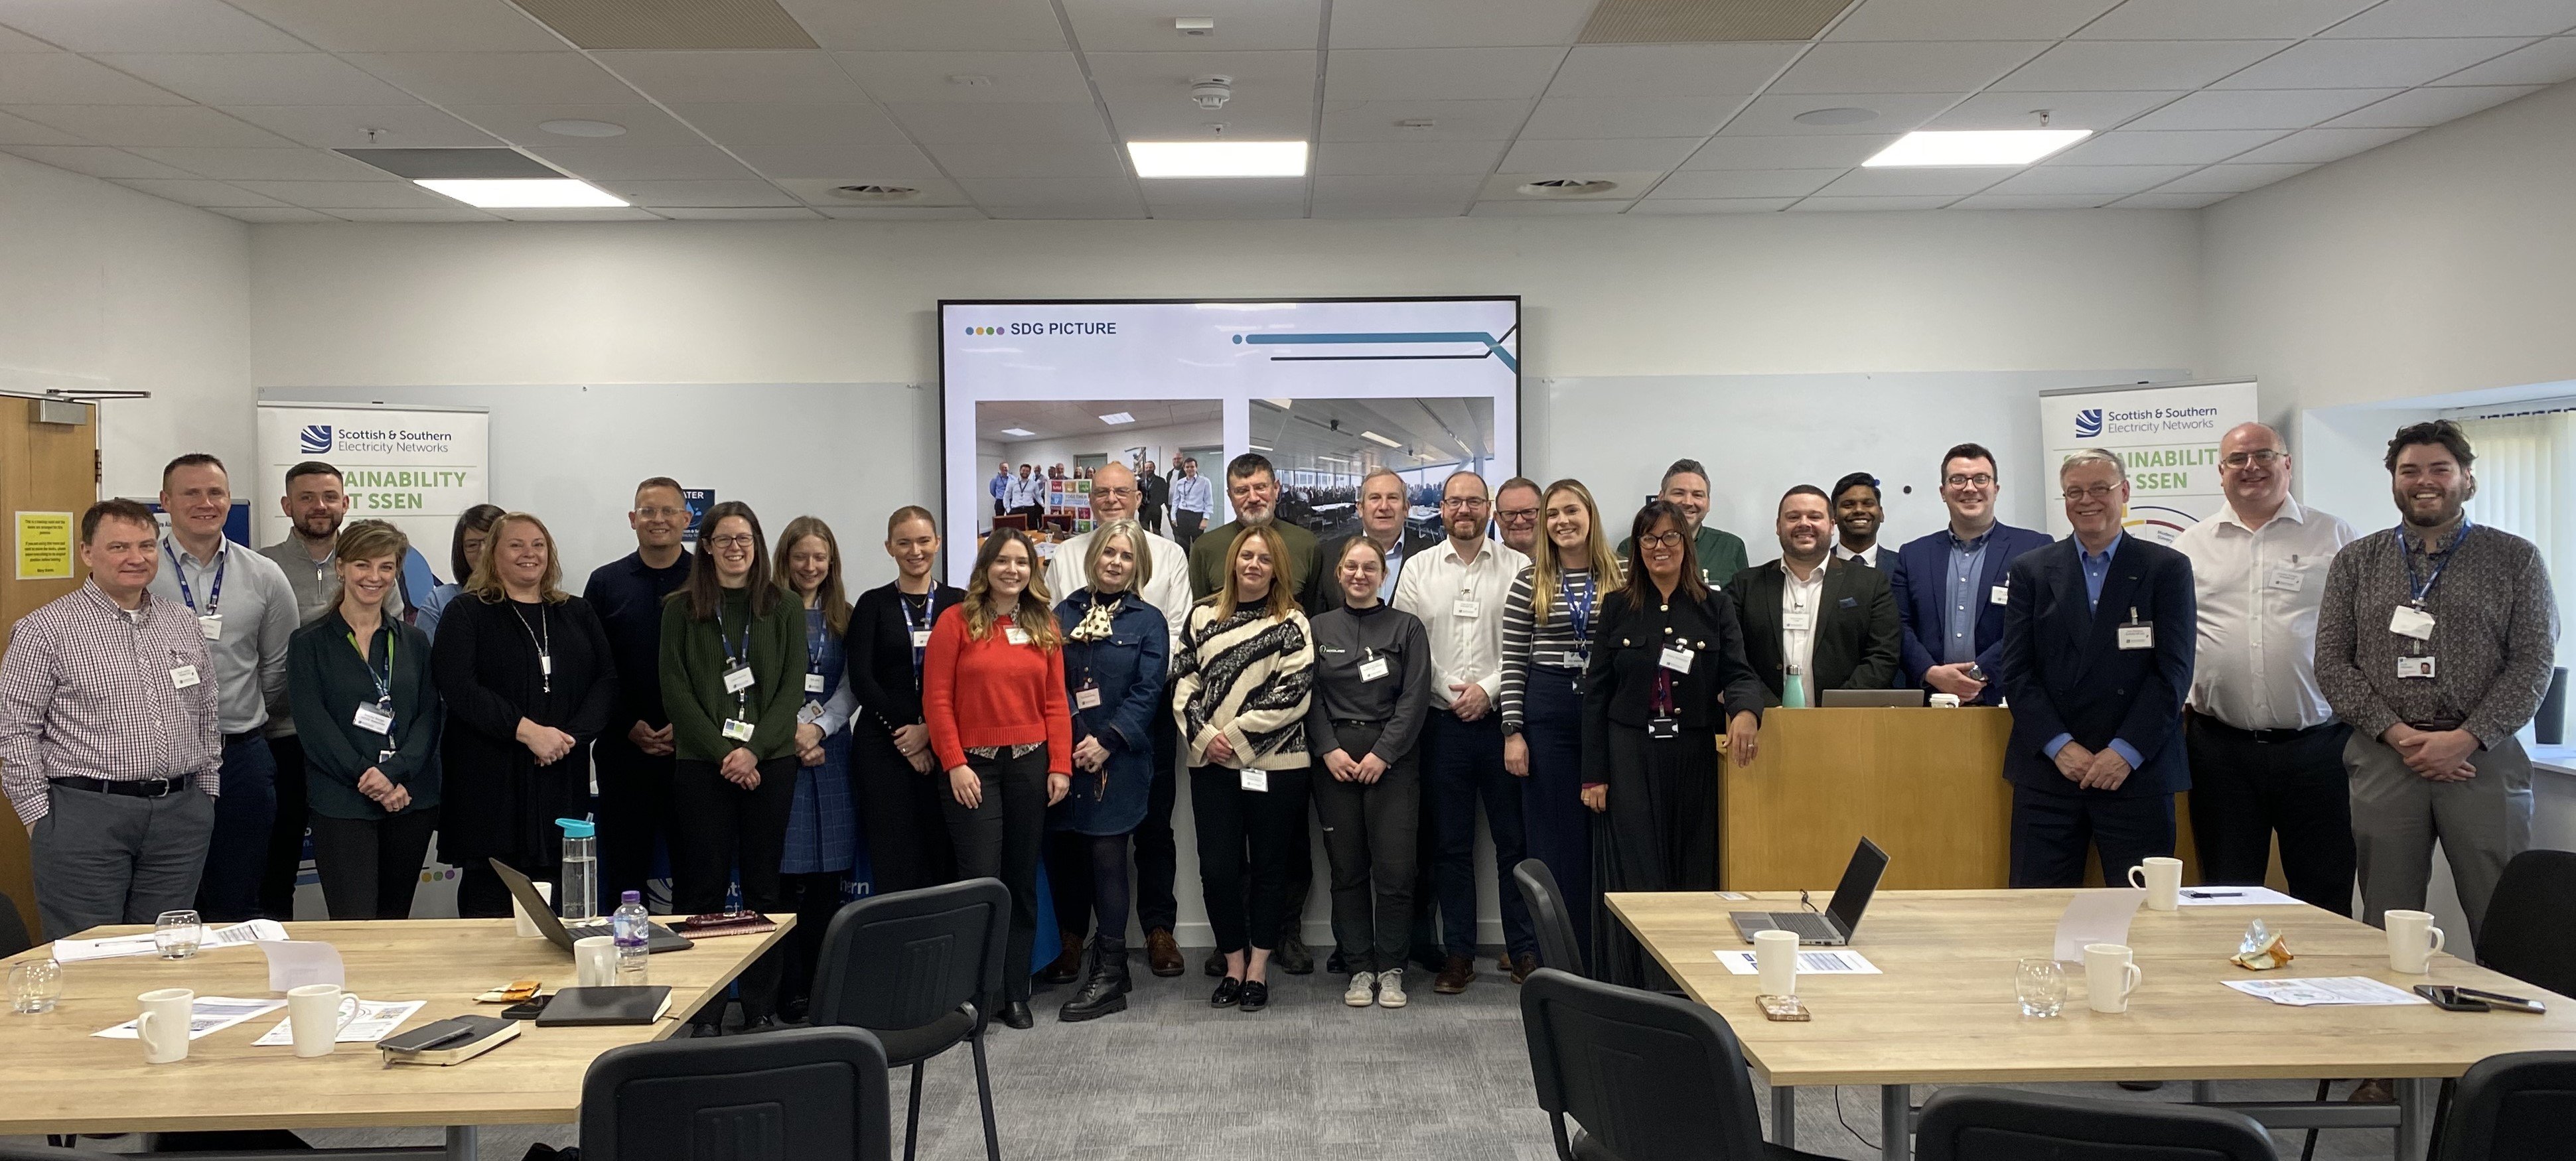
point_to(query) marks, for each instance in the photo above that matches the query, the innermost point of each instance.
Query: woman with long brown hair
(822, 827)
(1547, 642)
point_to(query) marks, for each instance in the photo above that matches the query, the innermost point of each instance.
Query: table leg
(2414, 1097)
(1784, 1116)
(2204, 1092)
(464, 1143)
(1895, 1110)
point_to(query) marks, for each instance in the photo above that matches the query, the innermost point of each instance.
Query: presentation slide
(1039, 395)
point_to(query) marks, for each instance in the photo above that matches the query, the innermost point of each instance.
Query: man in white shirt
(1457, 591)
(2266, 750)
(1857, 518)
(1192, 501)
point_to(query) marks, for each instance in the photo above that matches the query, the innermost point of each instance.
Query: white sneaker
(1357, 995)
(1390, 988)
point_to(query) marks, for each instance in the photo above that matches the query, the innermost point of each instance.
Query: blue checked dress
(822, 825)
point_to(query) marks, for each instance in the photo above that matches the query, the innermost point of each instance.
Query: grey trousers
(2397, 814)
(108, 858)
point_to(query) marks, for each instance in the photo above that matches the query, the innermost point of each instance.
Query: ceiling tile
(1073, 159)
(498, 78)
(2545, 63)
(899, 213)
(1912, 182)
(16, 130)
(1441, 23)
(272, 215)
(1227, 212)
(1044, 213)
(798, 124)
(420, 214)
(407, 26)
(1352, 158)
(98, 161)
(2257, 108)
(1450, 120)
(332, 195)
(1173, 191)
(1747, 183)
(2165, 147)
(346, 127)
(2137, 65)
(739, 213)
(2031, 202)
(950, 25)
(2065, 110)
(932, 191)
(1146, 25)
(658, 194)
(1561, 117)
(1536, 209)
(587, 215)
(2219, 19)
(1166, 76)
(2316, 145)
(1871, 203)
(259, 78)
(1385, 211)
(1441, 74)
(2090, 179)
(2455, 18)
(150, 125)
(144, 26)
(645, 125)
(1927, 20)
(1010, 77)
(613, 163)
(2342, 64)
(1911, 67)
(992, 124)
(1897, 113)
(1614, 153)
(1817, 152)
(1664, 207)
(1101, 192)
(2161, 200)
(265, 164)
(59, 78)
(2416, 108)
(199, 193)
(1286, 119)
(15, 41)
(1457, 188)
(682, 78)
(2231, 178)
(1666, 70)
(901, 163)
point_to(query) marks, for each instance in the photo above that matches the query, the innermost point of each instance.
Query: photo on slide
(1038, 457)
(1324, 448)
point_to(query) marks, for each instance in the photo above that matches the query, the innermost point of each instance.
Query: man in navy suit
(1949, 586)
(2098, 639)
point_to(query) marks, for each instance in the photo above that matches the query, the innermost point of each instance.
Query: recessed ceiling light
(1218, 158)
(1021, 432)
(1117, 417)
(1976, 147)
(522, 193)
(1260, 447)
(1194, 25)
(1379, 438)
(1282, 404)
(577, 127)
(1845, 115)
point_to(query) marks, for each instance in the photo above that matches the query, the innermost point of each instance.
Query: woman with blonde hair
(898, 781)
(1547, 642)
(994, 699)
(1240, 686)
(822, 826)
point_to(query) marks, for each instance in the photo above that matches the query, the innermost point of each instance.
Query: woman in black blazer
(898, 782)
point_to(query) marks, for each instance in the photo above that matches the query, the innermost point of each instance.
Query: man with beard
(1830, 621)
(1720, 552)
(1857, 516)
(2435, 645)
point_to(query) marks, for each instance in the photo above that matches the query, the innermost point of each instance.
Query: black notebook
(591, 1007)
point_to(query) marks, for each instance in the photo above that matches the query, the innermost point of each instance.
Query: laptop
(543, 915)
(1862, 698)
(1834, 927)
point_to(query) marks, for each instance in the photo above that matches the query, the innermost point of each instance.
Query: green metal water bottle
(1793, 690)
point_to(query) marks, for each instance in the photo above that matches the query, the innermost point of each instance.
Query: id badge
(183, 677)
(921, 638)
(372, 718)
(212, 625)
(809, 713)
(2288, 580)
(1016, 635)
(737, 730)
(1374, 668)
(1466, 610)
(1257, 781)
(738, 678)
(813, 683)
(1999, 595)
(2138, 636)
(1677, 658)
(1797, 622)
(2409, 621)
(1663, 729)
(1574, 659)
(2415, 667)
(1087, 697)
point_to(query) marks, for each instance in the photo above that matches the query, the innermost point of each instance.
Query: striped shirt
(1554, 644)
(87, 691)
(1249, 679)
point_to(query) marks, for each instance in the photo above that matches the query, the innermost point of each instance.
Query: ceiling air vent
(1708, 21)
(1568, 187)
(875, 193)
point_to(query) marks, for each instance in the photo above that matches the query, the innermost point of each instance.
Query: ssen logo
(315, 439)
(2088, 423)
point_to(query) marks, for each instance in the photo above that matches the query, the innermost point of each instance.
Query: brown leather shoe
(1068, 966)
(1162, 952)
(1519, 965)
(1454, 977)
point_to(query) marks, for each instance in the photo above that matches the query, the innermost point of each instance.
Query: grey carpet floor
(1445, 1078)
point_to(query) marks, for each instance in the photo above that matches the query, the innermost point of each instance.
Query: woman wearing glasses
(894, 773)
(1667, 678)
(1547, 643)
(733, 676)
(463, 550)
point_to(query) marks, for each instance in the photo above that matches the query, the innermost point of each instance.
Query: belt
(1355, 722)
(2268, 737)
(134, 788)
(243, 736)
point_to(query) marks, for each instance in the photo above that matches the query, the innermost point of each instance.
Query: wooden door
(44, 467)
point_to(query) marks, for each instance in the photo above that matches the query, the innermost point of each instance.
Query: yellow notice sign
(44, 546)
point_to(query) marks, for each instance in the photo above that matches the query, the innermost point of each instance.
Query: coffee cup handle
(2437, 940)
(2137, 876)
(350, 1008)
(2131, 976)
(143, 1025)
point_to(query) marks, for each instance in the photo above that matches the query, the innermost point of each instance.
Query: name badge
(1374, 668)
(1677, 658)
(809, 713)
(738, 678)
(813, 683)
(2288, 580)
(2415, 667)
(1087, 697)
(1016, 635)
(2137, 636)
(737, 730)
(921, 638)
(212, 625)
(1575, 659)
(1797, 622)
(1999, 595)
(183, 677)
(373, 719)
(2409, 621)
(1466, 609)
(1257, 781)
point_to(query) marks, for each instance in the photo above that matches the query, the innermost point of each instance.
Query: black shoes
(1229, 992)
(1017, 1015)
(1105, 991)
(705, 1026)
(1067, 967)
(1293, 956)
(1215, 965)
(758, 1024)
(1255, 996)
(1335, 964)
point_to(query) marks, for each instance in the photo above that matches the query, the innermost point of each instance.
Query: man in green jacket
(1721, 553)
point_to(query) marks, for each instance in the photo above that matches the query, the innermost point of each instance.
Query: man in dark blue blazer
(2098, 640)
(1949, 586)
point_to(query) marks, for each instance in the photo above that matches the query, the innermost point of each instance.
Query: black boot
(1105, 991)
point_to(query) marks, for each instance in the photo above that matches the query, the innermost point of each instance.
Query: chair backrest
(13, 928)
(2526, 933)
(2520, 1106)
(44, 1153)
(804, 1094)
(1972, 1124)
(1557, 947)
(1649, 1077)
(904, 960)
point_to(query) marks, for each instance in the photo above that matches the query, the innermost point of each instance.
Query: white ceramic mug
(594, 961)
(316, 1014)
(1775, 953)
(2412, 940)
(163, 1026)
(526, 927)
(2162, 877)
(2109, 977)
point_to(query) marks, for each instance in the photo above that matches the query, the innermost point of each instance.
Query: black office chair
(1557, 946)
(45, 1153)
(2520, 1106)
(1984, 1124)
(2526, 933)
(803, 1094)
(1648, 1077)
(13, 928)
(921, 969)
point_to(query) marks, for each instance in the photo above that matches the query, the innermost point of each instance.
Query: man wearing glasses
(634, 752)
(1516, 514)
(2266, 749)
(1950, 586)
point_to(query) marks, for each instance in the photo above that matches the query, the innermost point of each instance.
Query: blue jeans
(228, 891)
(1461, 763)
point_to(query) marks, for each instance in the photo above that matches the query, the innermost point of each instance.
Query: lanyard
(2441, 560)
(912, 632)
(545, 644)
(1663, 698)
(733, 659)
(215, 592)
(1578, 604)
(385, 681)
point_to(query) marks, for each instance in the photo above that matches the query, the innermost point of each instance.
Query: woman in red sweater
(992, 693)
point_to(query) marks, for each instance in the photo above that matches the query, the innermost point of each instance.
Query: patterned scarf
(1095, 623)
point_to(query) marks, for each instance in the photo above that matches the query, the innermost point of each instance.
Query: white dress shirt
(1798, 646)
(1168, 590)
(1868, 556)
(1436, 586)
(1192, 494)
(2258, 591)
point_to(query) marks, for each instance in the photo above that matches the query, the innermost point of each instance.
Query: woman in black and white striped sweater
(1240, 681)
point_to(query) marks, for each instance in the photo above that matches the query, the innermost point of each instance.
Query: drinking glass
(2042, 983)
(34, 986)
(177, 934)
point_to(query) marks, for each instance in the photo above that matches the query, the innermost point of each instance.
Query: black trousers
(1244, 836)
(634, 814)
(370, 867)
(2050, 833)
(1370, 830)
(720, 832)
(2245, 788)
(1158, 854)
(286, 833)
(1186, 526)
(900, 812)
(815, 897)
(1000, 839)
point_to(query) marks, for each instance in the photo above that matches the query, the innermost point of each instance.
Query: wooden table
(1947, 1012)
(61, 1079)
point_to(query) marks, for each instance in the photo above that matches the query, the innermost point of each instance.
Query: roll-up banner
(416, 467)
(2165, 434)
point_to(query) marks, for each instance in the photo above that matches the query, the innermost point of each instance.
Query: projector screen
(1327, 389)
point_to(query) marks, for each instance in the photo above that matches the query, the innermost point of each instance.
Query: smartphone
(2450, 999)
(2501, 1001)
(527, 1009)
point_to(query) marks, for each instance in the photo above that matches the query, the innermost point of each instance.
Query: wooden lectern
(1927, 784)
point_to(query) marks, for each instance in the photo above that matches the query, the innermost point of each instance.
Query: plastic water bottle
(1793, 690)
(577, 895)
(632, 928)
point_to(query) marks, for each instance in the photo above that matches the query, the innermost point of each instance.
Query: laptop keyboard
(1805, 925)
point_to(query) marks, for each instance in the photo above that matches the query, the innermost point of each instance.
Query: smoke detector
(1568, 187)
(875, 193)
(1194, 25)
(1211, 93)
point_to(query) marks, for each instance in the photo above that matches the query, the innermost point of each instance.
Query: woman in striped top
(1240, 682)
(1547, 640)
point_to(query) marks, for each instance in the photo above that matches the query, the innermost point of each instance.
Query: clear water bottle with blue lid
(632, 929)
(577, 896)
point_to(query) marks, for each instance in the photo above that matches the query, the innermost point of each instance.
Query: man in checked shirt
(109, 742)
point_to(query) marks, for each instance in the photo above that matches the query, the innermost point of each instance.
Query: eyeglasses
(1661, 540)
(1465, 503)
(2266, 457)
(1517, 515)
(1121, 493)
(1980, 480)
(730, 541)
(661, 513)
(2097, 492)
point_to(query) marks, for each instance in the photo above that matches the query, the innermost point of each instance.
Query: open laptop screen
(1860, 879)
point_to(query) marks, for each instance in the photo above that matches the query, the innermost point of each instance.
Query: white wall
(104, 287)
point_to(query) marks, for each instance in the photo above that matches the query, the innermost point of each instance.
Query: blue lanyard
(215, 592)
(912, 631)
(1579, 607)
(384, 681)
(2441, 560)
(738, 657)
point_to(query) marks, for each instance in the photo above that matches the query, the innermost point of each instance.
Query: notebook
(592, 1007)
(482, 1034)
